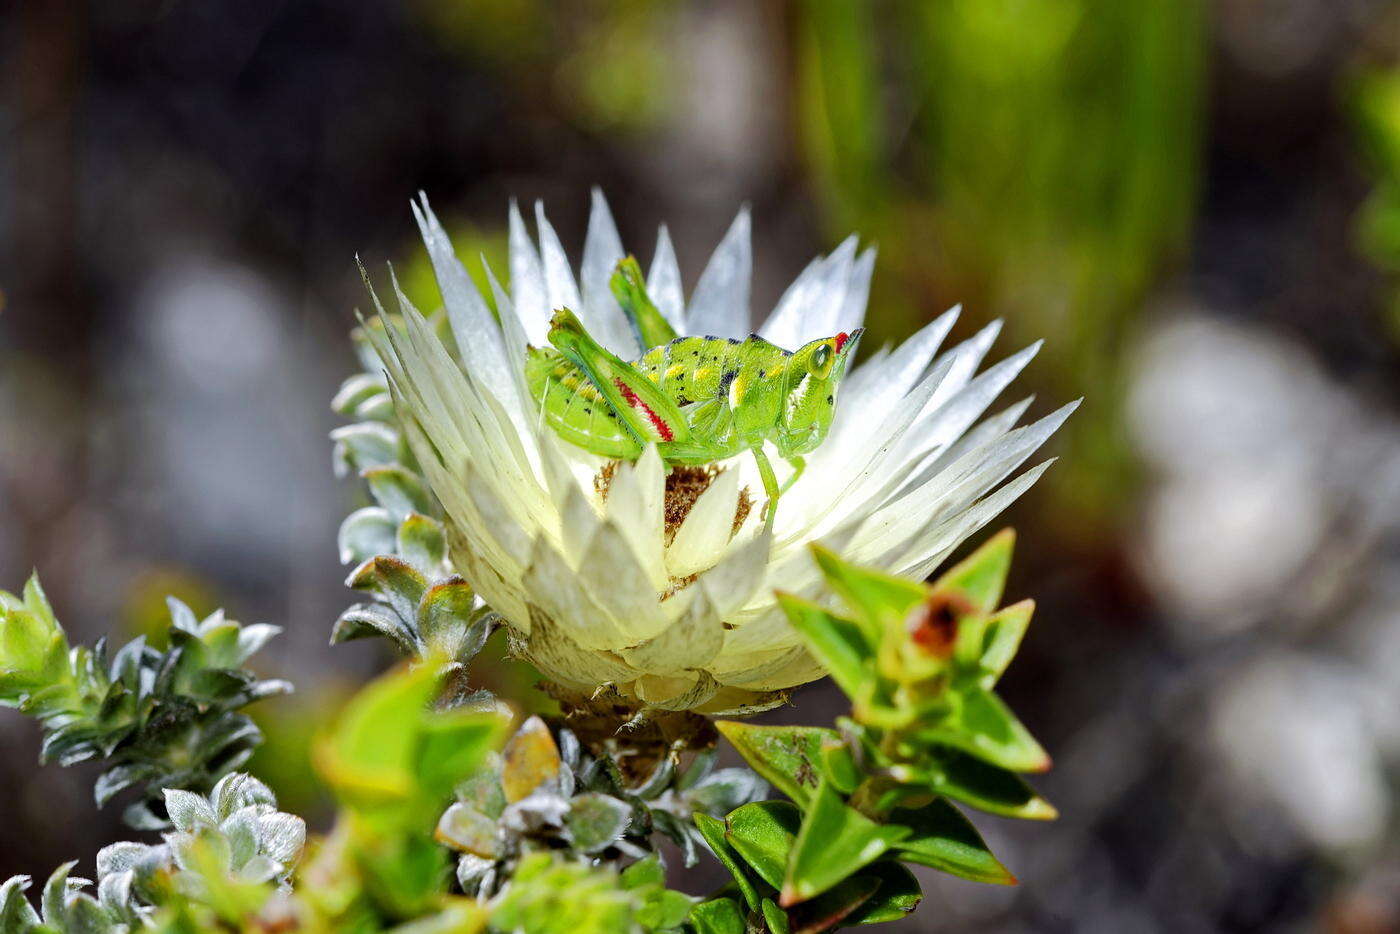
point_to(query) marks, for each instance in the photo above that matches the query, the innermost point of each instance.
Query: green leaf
(763, 834)
(837, 643)
(835, 841)
(941, 837)
(25, 638)
(366, 533)
(988, 788)
(596, 821)
(875, 596)
(827, 911)
(839, 766)
(1002, 639)
(398, 491)
(452, 743)
(718, 916)
(422, 542)
(713, 831)
(775, 917)
(789, 757)
(898, 895)
(980, 578)
(367, 757)
(365, 445)
(985, 727)
(446, 620)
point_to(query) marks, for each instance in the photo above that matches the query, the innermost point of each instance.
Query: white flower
(661, 587)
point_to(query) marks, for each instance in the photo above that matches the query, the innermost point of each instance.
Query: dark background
(1196, 204)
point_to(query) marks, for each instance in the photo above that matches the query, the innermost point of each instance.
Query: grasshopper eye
(820, 365)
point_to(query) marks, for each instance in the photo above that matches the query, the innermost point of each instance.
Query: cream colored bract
(614, 575)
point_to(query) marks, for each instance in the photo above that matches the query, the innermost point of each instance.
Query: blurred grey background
(1196, 203)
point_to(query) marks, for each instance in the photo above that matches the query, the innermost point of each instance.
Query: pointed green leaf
(989, 788)
(775, 918)
(1003, 638)
(831, 909)
(874, 596)
(839, 767)
(898, 895)
(986, 728)
(789, 757)
(422, 542)
(718, 916)
(837, 643)
(941, 837)
(398, 491)
(763, 834)
(713, 831)
(835, 842)
(981, 577)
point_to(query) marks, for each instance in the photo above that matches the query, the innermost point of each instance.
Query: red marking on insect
(635, 401)
(841, 340)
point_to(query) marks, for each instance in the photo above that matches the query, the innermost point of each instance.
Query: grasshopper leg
(770, 485)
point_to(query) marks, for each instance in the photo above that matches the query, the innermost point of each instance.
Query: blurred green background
(1196, 204)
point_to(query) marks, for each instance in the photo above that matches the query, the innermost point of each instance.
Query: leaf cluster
(919, 664)
(161, 718)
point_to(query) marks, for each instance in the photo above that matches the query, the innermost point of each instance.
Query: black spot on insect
(762, 373)
(830, 400)
(733, 340)
(682, 400)
(726, 378)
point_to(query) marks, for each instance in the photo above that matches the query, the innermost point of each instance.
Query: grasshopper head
(814, 374)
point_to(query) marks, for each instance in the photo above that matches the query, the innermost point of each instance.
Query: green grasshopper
(698, 399)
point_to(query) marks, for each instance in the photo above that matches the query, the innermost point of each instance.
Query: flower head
(658, 583)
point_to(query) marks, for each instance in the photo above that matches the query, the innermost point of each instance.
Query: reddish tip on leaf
(933, 624)
(841, 340)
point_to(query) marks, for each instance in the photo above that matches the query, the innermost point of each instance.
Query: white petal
(705, 532)
(730, 583)
(601, 314)
(943, 540)
(690, 642)
(664, 281)
(478, 336)
(720, 305)
(560, 289)
(857, 293)
(636, 499)
(613, 575)
(811, 306)
(555, 588)
(528, 293)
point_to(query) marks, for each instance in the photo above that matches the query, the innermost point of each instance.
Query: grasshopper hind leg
(770, 485)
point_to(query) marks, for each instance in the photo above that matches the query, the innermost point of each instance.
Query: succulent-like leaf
(835, 841)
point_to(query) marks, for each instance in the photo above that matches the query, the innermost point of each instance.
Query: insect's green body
(698, 399)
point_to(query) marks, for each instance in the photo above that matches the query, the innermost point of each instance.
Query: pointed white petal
(600, 313)
(613, 574)
(635, 504)
(478, 336)
(560, 288)
(528, 293)
(730, 583)
(690, 642)
(664, 281)
(555, 588)
(704, 534)
(852, 313)
(812, 305)
(720, 305)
